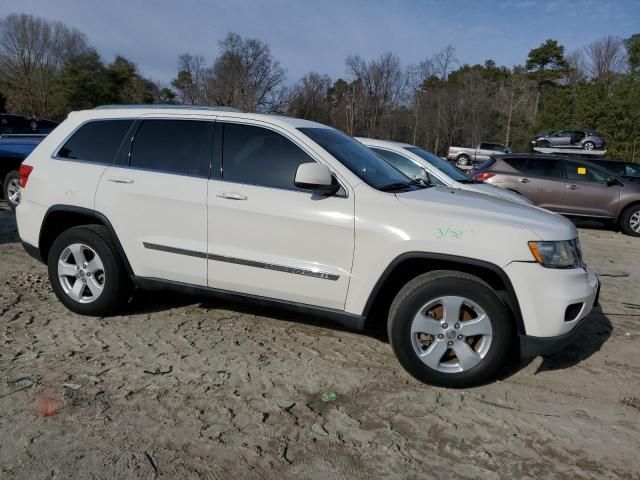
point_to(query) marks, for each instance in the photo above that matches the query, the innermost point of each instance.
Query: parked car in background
(13, 150)
(290, 212)
(415, 162)
(18, 137)
(465, 158)
(567, 185)
(626, 170)
(585, 139)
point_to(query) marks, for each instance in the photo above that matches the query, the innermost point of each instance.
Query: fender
(100, 218)
(511, 299)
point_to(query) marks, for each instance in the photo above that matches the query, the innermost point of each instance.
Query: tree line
(48, 69)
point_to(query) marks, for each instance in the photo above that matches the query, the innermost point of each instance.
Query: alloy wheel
(451, 334)
(634, 221)
(14, 191)
(81, 273)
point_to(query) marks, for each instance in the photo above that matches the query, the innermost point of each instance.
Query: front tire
(630, 220)
(463, 161)
(450, 329)
(86, 271)
(543, 144)
(11, 189)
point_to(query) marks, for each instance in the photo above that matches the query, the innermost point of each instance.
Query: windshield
(440, 164)
(367, 165)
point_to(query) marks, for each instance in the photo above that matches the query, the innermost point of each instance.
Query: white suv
(277, 209)
(415, 162)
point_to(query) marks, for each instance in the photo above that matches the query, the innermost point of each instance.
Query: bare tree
(32, 51)
(577, 67)
(310, 98)
(245, 75)
(191, 80)
(444, 61)
(606, 57)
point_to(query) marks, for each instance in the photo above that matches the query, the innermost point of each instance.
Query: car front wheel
(630, 220)
(450, 329)
(86, 271)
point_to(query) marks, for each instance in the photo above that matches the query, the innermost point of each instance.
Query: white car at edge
(283, 211)
(415, 162)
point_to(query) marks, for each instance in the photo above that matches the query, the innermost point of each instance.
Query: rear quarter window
(515, 163)
(96, 142)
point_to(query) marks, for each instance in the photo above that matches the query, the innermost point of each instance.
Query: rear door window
(515, 163)
(541, 167)
(180, 147)
(96, 142)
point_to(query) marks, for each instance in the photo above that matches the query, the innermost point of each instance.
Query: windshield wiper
(400, 185)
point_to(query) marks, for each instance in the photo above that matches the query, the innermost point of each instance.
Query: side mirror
(611, 182)
(424, 176)
(316, 177)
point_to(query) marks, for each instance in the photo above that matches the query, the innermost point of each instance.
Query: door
(156, 199)
(560, 139)
(266, 236)
(540, 180)
(587, 191)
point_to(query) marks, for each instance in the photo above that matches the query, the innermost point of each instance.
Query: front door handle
(524, 180)
(121, 179)
(231, 196)
(571, 187)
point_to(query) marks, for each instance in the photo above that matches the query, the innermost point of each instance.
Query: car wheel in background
(630, 220)
(542, 144)
(86, 271)
(588, 145)
(12, 190)
(450, 329)
(463, 161)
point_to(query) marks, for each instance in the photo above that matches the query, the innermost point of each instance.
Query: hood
(498, 192)
(479, 207)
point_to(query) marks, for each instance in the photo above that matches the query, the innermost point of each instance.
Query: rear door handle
(524, 180)
(571, 187)
(121, 179)
(231, 196)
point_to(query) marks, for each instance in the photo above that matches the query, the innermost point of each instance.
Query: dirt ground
(184, 387)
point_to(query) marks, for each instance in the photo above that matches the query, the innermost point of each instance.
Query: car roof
(134, 111)
(382, 143)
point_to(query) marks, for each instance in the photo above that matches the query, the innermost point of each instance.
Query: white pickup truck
(464, 158)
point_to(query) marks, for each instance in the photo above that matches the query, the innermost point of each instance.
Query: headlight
(560, 254)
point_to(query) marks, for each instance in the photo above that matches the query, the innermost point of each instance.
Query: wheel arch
(623, 209)
(62, 217)
(409, 265)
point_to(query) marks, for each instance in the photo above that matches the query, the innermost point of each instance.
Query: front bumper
(533, 346)
(553, 302)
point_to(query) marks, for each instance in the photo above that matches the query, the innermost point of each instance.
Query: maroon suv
(566, 185)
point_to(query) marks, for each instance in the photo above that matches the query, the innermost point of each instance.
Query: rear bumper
(531, 346)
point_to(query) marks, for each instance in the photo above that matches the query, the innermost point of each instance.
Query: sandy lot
(185, 387)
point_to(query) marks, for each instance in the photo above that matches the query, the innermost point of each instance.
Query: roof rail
(162, 106)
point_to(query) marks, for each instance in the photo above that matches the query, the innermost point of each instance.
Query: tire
(542, 144)
(588, 146)
(11, 189)
(630, 220)
(106, 286)
(463, 160)
(491, 350)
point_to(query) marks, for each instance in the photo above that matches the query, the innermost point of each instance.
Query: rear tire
(11, 189)
(449, 351)
(86, 272)
(463, 160)
(588, 145)
(630, 220)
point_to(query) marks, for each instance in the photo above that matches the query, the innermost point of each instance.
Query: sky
(317, 35)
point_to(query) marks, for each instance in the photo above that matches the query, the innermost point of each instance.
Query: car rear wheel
(86, 271)
(630, 220)
(463, 160)
(450, 329)
(588, 145)
(12, 190)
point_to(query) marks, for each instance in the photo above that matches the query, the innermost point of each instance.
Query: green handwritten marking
(448, 233)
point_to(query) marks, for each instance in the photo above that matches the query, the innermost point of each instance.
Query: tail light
(481, 177)
(25, 171)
